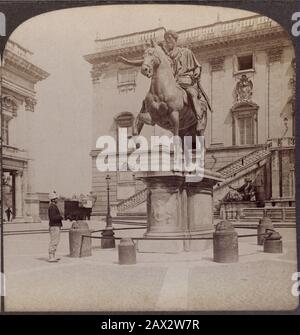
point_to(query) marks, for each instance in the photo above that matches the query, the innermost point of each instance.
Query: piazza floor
(187, 281)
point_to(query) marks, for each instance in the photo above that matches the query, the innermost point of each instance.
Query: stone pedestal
(177, 207)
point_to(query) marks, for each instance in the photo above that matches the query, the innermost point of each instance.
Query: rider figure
(187, 73)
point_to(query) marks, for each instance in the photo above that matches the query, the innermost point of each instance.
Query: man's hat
(53, 196)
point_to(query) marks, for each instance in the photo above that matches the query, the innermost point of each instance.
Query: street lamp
(108, 233)
(108, 215)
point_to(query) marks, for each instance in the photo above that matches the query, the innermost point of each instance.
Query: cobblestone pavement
(187, 281)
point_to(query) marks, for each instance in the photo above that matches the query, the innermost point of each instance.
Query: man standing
(8, 213)
(55, 225)
(187, 73)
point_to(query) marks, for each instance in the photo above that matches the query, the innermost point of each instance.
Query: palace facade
(19, 79)
(248, 73)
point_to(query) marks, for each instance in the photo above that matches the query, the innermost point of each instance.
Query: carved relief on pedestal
(163, 209)
(243, 90)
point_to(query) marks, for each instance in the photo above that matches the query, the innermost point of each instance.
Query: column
(30, 196)
(32, 203)
(19, 196)
(13, 177)
(275, 125)
(275, 174)
(217, 89)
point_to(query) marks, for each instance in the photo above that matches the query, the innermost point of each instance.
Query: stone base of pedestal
(159, 246)
(165, 244)
(200, 245)
(178, 207)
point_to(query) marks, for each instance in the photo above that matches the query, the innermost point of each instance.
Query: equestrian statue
(176, 100)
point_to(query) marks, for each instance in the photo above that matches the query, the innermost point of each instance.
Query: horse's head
(151, 62)
(153, 57)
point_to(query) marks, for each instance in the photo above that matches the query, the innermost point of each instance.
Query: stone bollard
(273, 242)
(264, 224)
(225, 243)
(127, 251)
(109, 241)
(80, 246)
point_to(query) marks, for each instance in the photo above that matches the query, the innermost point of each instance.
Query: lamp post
(108, 233)
(108, 215)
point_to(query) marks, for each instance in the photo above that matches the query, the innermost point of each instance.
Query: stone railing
(216, 30)
(8, 150)
(221, 29)
(242, 163)
(129, 40)
(281, 142)
(242, 211)
(130, 202)
(18, 49)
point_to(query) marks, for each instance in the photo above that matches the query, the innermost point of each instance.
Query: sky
(63, 114)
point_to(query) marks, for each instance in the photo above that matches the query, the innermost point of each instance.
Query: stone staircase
(229, 171)
(232, 173)
(244, 162)
(235, 172)
(277, 214)
(131, 202)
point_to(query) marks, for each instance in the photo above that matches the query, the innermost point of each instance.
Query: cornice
(209, 43)
(14, 95)
(23, 67)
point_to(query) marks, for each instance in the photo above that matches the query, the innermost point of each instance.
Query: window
(124, 120)
(244, 123)
(126, 79)
(245, 62)
(246, 130)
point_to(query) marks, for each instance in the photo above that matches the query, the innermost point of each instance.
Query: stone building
(19, 79)
(248, 74)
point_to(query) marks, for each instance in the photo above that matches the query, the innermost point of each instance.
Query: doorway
(9, 195)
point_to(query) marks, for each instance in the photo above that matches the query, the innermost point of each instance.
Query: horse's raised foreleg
(142, 118)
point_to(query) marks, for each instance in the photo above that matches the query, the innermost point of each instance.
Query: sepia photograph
(148, 161)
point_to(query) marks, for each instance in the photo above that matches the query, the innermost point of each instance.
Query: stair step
(129, 222)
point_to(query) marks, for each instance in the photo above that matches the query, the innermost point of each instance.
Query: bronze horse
(166, 104)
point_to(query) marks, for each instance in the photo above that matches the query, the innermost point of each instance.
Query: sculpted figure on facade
(243, 89)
